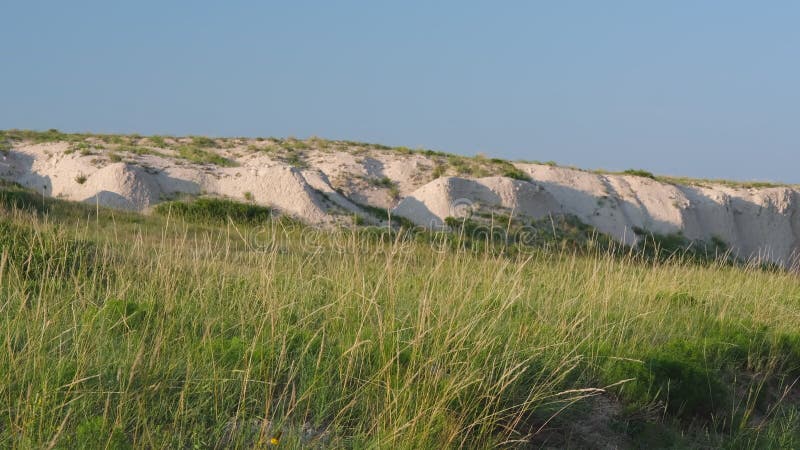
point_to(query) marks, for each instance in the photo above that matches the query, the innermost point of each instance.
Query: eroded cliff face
(755, 223)
(328, 181)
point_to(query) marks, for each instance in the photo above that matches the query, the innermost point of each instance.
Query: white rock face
(120, 186)
(277, 185)
(333, 184)
(431, 204)
(755, 223)
(50, 169)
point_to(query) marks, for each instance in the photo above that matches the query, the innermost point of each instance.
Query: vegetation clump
(639, 173)
(203, 142)
(139, 150)
(39, 137)
(214, 210)
(5, 145)
(295, 157)
(199, 155)
(158, 141)
(384, 215)
(503, 233)
(666, 246)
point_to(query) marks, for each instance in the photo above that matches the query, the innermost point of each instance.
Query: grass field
(126, 331)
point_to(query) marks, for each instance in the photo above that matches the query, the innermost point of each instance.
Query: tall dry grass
(151, 333)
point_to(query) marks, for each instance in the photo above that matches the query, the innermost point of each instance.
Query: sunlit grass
(126, 331)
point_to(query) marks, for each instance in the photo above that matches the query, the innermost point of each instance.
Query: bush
(215, 210)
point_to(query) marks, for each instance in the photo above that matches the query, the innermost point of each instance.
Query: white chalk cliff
(761, 223)
(331, 180)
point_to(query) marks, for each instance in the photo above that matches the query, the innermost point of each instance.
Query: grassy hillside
(190, 330)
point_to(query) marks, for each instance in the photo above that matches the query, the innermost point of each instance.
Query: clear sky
(696, 88)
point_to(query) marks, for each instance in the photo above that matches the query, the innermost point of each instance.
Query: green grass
(696, 181)
(662, 247)
(386, 183)
(214, 210)
(139, 150)
(51, 135)
(199, 155)
(438, 171)
(125, 331)
(294, 156)
(383, 214)
(639, 173)
(158, 141)
(33, 253)
(203, 141)
(723, 182)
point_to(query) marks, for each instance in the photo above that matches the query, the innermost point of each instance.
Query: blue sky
(696, 88)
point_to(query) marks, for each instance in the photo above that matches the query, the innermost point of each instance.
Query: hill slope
(221, 326)
(327, 182)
